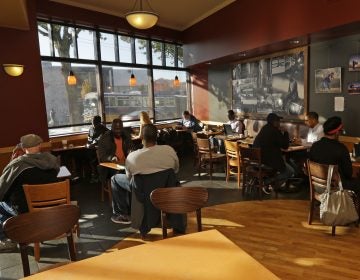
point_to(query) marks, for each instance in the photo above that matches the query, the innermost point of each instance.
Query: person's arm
(345, 164)
(104, 148)
(283, 139)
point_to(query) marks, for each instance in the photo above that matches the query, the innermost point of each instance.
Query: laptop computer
(228, 130)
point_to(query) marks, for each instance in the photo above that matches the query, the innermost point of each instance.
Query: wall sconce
(14, 70)
(71, 79)
(176, 81)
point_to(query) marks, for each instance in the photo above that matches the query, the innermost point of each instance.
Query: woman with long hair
(144, 119)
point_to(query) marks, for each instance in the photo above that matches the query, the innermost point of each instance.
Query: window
(141, 47)
(70, 108)
(125, 49)
(107, 46)
(170, 101)
(124, 100)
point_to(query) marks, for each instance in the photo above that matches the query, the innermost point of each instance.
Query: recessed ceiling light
(208, 63)
(242, 54)
(295, 42)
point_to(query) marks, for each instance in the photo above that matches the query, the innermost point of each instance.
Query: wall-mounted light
(132, 81)
(176, 81)
(13, 69)
(71, 79)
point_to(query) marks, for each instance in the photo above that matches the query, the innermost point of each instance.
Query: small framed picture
(354, 62)
(328, 80)
(354, 88)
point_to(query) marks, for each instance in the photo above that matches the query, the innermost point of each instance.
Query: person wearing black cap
(34, 167)
(271, 139)
(328, 150)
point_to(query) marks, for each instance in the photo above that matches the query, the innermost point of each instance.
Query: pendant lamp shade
(176, 81)
(142, 19)
(132, 81)
(71, 79)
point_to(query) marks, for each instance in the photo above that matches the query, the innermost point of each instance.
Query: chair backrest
(179, 200)
(250, 155)
(40, 226)
(203, 145)
(318, 174)
(47, 195)
(232, 149)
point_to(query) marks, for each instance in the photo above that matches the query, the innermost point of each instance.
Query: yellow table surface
(204, 255)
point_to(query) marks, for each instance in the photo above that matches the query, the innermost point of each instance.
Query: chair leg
(210, 171)
(164, 224)
(198, 219)
(227, 171)
(333, 229)
(71, 246)
(239, 176)
(109, 192)
(37, 251)
(311, 212)
(24, 259)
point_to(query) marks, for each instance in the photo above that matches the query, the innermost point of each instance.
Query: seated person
(34, 167)
(271, 139)
(190, 122)
(315, 132)
(95, 132)
(236, 125)
(328, 150)
(150, 159)
(113, 146)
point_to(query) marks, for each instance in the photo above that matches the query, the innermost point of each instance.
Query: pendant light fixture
(132, 81)
(176, 81)
(71, 79)
(141, 19)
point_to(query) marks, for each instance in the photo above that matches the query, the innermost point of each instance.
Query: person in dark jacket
(271, 139)
(189, 121)
(113, 146)
(328, 150)
(34, 167)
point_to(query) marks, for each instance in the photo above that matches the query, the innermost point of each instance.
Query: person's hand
(114, 159)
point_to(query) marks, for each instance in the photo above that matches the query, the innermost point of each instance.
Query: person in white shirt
(236, 125)
(316, 131)
(150, 159)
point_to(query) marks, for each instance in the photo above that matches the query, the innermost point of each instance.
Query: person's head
(117, 127)
(231, 115)
(274, 120)
(186, 115)
(144, 118)
(333, 127)
(149, 135)
(30, 143)
(96, 120)
(312, 119)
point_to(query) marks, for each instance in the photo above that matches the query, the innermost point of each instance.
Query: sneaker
(267, 189)
(7, 245)
(121, 219)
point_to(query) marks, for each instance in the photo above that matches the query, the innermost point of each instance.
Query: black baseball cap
(272, 117)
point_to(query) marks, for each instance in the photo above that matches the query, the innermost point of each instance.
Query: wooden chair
(105, 182)
(254, 171)
(39, 197)
(233, 160)
(318, 183)
(34, 227)
(179, 200)
(207, 157)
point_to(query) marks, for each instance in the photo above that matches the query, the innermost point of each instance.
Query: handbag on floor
(337, 207)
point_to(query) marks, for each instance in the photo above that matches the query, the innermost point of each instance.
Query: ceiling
(178, 15)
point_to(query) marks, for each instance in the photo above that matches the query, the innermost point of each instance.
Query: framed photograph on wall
(272, 83)
(354, 62)
(328, 80)
(354, 88)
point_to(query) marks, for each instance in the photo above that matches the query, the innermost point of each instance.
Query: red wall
(22, 103)
(250, 24)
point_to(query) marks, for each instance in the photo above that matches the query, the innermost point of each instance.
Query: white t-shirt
(314, 134)
(236, 126)
(151, 160)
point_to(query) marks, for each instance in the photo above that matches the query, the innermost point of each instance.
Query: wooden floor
(276, 233)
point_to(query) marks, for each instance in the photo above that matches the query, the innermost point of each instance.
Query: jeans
(281, 176)
(6, 212)
(121, 190)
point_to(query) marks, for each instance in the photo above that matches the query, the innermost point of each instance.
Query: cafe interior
(65, 61)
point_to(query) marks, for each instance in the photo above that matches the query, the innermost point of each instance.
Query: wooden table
(113, 165)
(203, 255)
